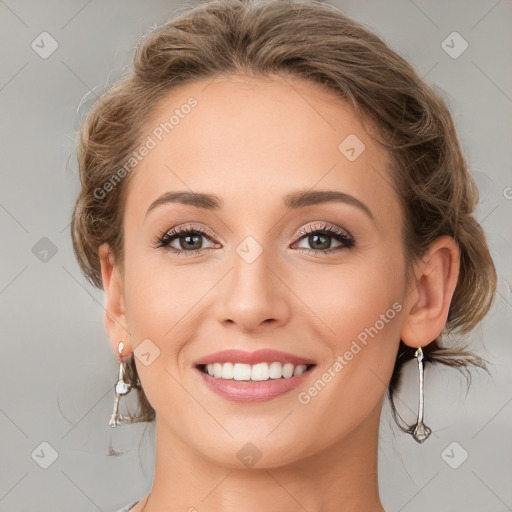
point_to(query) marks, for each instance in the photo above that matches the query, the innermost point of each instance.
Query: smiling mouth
(256, 372)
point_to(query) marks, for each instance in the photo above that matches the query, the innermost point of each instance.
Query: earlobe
(114, 317)
(429, 296)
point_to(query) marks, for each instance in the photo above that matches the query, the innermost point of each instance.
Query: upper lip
(264, 355)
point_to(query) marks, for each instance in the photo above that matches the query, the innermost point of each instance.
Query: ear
(115, 315)
(428, 301)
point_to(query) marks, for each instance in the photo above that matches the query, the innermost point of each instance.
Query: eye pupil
(196, 239)
(313, 241)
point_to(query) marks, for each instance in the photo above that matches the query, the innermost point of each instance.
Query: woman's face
(265, 274)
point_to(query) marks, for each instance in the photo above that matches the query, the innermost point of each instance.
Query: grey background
(56, 367)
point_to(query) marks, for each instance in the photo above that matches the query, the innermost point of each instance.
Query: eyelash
(340, 235)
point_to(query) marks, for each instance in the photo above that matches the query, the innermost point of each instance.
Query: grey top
(128, 507)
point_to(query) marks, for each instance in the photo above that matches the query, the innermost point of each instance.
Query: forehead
(255, 138)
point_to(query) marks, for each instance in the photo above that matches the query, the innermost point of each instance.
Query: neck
(341, 478)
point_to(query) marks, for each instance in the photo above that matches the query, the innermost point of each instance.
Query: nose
(253, 297)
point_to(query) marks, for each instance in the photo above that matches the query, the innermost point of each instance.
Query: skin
(251, 141)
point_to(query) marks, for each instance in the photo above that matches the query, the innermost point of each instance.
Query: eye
(189, 240)
(319, 236)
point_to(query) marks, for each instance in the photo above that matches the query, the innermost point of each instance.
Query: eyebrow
(292, 201)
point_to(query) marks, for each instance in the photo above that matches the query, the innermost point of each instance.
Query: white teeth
(276, 370)
(255, 372)
(287, 370)
(241, 371)
(227, 371)
(260, 371)
(298, 370)
(217, 370)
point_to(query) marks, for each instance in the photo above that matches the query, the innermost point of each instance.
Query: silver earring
(123, 386)
(419, 430)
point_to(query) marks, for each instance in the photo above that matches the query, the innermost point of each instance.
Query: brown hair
(314, 41)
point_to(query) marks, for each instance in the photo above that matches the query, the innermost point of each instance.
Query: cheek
(147, 297)
(360, 308)
(162, 298)
(349, 298)
(363, 312)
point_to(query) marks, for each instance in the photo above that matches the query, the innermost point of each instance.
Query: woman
(280, 215)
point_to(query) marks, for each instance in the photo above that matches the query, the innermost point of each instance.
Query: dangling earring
(419, 430)
(123, 386)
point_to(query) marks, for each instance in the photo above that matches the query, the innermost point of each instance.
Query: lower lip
(253, 391)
